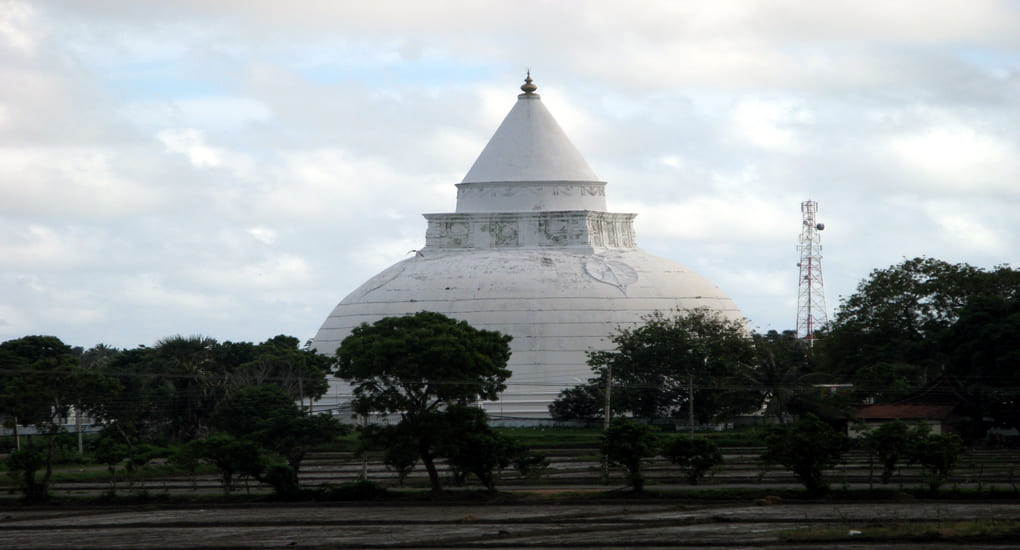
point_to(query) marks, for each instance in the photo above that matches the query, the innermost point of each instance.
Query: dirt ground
(660, 524)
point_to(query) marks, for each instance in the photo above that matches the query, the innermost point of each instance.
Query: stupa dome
(530, 252)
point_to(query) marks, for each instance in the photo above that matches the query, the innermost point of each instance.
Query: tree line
(236, 405)
(903, 328)
(806, 447)
(193, 400)
(187, 399)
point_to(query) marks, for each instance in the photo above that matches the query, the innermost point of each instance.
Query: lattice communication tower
(811, 314)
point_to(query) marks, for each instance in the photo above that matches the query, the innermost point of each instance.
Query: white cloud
(770, 124)
(15, 20)
(178, 166)
(13, 320)
(41, 247)
(265, 235)
(968, 228)
(955, 156)
(76, 182)
(150, 291)
(191, 143)
(278, 272)
(209, 113)
(724, 210)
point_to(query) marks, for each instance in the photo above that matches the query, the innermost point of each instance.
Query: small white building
(532, 252)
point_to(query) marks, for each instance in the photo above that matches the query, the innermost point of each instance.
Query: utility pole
(609, 391)
(608, 416)
(690, 404)
(77, 425)
(364, 455)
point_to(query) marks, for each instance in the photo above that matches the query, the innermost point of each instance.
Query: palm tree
(197, 380)
(781, 371)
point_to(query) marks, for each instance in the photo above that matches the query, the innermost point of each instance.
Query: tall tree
(269, 417)
(983, 348)
(38, 384)
(660, 366)
(197, 381)
(300, 372)
(898, 316)
(781, 373)
(914, 321)
(582, 402)
(139, 404)
(417, 366)
(169, 391)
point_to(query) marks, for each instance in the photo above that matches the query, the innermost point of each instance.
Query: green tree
(170, 391)
(898, 316)
(400, 449)
(471, 446)
(94, 358)
(807, 447)
(196, 380)
(984, 356)
(531, 464)
(657, 364)
(269, 417)
(888, 443)
(937, 454)
(113, 453)
(231, 456)
(185, 457)
(300, 372)
(243, 412)
(141, 455)
(138, 404)
(696, 456)
(582, 402)
(628, 443)
(781, 373)
(417, 366)
(166, 392)
(292, 433)
(96, 392)
(22, 466)
(39, 381)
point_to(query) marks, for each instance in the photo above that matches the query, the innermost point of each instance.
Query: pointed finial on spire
(528, 88)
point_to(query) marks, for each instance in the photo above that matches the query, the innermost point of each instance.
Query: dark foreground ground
(531, 514)
(662, 524)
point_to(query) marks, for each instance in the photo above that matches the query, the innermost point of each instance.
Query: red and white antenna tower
(811, 314)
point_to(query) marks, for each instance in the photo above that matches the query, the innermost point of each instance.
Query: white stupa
(530, 252)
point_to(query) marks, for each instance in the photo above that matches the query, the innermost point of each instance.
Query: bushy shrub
(531, 464)
(888, 443)
(627, 443)
(22, 467)
(937, 454)
(807, 447)
(695, 456)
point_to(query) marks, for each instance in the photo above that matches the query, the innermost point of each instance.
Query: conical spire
(530, 165)
(529, 146)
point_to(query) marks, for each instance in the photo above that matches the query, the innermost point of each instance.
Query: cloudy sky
(234, 168)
